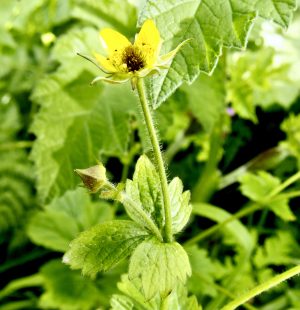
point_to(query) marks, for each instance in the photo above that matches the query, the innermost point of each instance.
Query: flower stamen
(133, 58)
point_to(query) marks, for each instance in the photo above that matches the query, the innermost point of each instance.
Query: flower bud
(94, 178)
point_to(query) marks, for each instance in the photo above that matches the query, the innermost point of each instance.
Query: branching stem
(158, 158)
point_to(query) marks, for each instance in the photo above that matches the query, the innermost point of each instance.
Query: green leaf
(102, 14)
(65, 217)
(235, 228)
(277, 250)
(66, 289)
(256, 79)
(103, 246)
(211, 25)
(121, 302)
(159, 267)
(180, 206)
(145, 191)
(206, 97)
(291, 127)
(76, 122)
(134, 299)
(204, 270)
(258, 186)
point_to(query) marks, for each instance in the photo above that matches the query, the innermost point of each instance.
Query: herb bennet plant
(185, 135)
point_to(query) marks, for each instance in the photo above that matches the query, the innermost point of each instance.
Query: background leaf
(76, 121)
(65, 217)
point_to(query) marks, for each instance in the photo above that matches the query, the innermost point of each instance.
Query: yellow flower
(126, 61)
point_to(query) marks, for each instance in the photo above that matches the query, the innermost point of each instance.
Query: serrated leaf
(145, 191)
(76, 121)
(66, 289)
(180, 206)
(258, 186)
(65, 217)
(103, 246)
(159, 267)
(211, 24)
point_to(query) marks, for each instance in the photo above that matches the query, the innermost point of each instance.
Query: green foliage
(237, 230)
(256, 80)
(66, 289)
(133, 299)
(158, 267)
(48, 109)
(259, 187)
(180, 205)
(91, 114)
(292, 129)
(103, 246)
(280, 249)
(16, 173)
(65, 217)
(211, 25)
(144, 190)
(206, 97)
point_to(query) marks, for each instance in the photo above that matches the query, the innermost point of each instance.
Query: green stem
(262, 288)
(248, 210)
(284, 185)
(222, 290)
(158, 158)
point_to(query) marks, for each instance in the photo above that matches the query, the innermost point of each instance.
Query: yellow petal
(148, 41)
(113, 41)
(105, 63)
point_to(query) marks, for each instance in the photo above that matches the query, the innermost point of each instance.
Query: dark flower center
(133, 58)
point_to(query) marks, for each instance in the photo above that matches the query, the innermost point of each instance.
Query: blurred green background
(52, 121)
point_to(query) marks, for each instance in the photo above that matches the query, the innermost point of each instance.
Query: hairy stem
(158, 158)
(262, 288)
